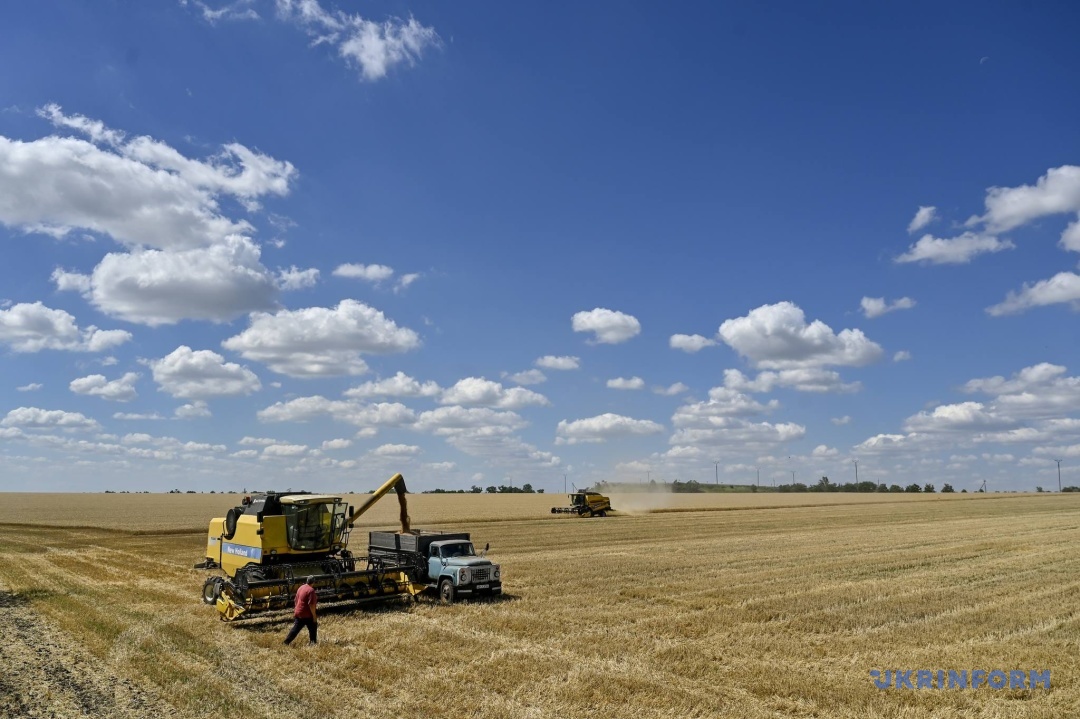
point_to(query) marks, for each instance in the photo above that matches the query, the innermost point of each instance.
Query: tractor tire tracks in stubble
(46, 675)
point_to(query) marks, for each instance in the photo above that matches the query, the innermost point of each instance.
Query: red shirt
(306, 599)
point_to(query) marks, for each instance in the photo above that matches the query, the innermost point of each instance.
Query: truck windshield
(458, 549)
(314, 526)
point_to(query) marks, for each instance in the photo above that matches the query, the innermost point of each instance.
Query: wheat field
(775, 611)
(145, 513)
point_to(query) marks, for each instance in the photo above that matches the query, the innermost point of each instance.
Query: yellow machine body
(271, 544)
(586, 504)
(266, 540)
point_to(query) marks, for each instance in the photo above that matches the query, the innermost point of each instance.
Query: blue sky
(310, 244)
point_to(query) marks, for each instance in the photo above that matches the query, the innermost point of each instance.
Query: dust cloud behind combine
(638, 503)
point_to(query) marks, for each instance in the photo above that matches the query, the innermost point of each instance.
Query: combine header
(586, 504)
(269, 545)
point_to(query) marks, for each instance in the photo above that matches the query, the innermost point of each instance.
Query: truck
(442, 562)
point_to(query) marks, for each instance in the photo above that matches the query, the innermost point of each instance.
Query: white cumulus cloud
(690, 343)
(140, 192)
(558, 363)
(1070, 238)
(608, 326)
(778, 337)
(734, 434)
(721, 424)
(336, 444)
(953, 250)
(365, 416)
(529, 376)
(626, 383)
(723, 402)
(37, 418)
(603, 428)
(396, 450)
(808, 379)
(320, 341)
(296, 279)
(373, 48)
(117, 390)
(160, 287)
(964, 416)
(70, 281)
(454, 420)
(183, 257)
(232, 11)
(193, 410)
(188, 374)
(1062, 288)
(369, 273)
(1040, 391)
(487, 393)
(258, 441)
(405, 281)
(877, 306)
(33, 327)
(400, 385)
(1056, 192)
(923, 217)
(284, 450)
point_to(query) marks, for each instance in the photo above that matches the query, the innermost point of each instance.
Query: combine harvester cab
(268, 546)
(586, 504)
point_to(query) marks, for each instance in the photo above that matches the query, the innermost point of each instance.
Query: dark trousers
(312, 628)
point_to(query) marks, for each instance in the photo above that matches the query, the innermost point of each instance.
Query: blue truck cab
(445, 562)
(454, 568)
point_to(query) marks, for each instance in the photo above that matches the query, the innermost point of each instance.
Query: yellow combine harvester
(270, 544)
(586, 504)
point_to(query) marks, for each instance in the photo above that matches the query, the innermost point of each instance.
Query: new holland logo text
(240, 550)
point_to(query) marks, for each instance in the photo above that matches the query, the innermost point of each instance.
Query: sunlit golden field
(755, 613)
(169, 512)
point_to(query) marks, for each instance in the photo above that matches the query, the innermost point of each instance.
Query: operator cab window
(314, 526)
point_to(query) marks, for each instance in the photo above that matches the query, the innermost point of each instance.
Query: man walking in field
(305, 614)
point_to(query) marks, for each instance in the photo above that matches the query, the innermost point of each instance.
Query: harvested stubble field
(756, 613)
(192, 512)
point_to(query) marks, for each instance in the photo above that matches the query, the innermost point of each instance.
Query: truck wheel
(446, 591)
(601, 513)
